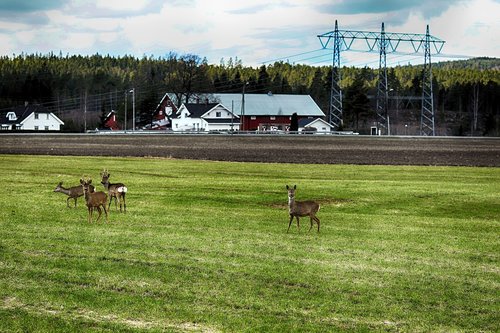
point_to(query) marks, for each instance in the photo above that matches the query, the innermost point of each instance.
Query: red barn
(110, 121)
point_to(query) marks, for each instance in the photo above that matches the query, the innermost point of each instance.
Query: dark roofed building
(30, 117)
(204, 117)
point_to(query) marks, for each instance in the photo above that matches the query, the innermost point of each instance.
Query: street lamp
(242, 121)
(125, 125)
(133, 108)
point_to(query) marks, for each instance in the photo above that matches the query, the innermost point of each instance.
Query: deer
(301, 208)
(116, 191)
(94, 200)
(72, 192)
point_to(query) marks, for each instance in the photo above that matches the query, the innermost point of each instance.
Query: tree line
(466, 93)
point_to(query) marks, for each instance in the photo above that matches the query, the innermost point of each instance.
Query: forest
(82, 89)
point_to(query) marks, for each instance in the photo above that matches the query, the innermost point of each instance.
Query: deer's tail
(122, 189)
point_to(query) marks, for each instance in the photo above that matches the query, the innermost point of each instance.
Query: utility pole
(133, 109)
(242, 126)
(85, 113)
(126, 98)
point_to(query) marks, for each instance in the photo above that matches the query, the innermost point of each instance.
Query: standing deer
(72, 192)
(116, 191)
(301, 208)
(94, 200)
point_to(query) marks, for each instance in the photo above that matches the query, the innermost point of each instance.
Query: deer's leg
(289, 224)
(89, 215)
(100, 212)
(317, 221)
(75, 202)
(124, 203)
(67, 202)
(106, 213)
(311, 217)
(298, 226)
(119, 196)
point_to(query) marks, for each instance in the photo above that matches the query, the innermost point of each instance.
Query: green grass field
(204, 248)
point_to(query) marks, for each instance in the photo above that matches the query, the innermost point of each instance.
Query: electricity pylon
(427, 114)
(343, 40)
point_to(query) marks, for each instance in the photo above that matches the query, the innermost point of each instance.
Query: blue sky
(257, 31)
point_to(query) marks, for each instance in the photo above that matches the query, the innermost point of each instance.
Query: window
(48, 114)
(36, 128)
(218, 114)
(272, 118)
(12, 116)
(46, 128)
(253, 117)
(36, 115)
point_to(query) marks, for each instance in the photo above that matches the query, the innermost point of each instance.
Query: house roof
(305, 122)
(271, 104)
(22, 112)
(197, 110)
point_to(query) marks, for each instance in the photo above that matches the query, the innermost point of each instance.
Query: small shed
(316, 125)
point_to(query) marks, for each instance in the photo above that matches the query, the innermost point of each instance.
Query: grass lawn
(203, 247)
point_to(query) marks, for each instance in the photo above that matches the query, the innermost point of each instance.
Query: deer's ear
(287, 187)
(90, 181)
(294, 187)
(81, 181)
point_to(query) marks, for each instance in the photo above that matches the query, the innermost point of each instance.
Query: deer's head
(58, 187)
(85, 183)
(291, 191)
(105, 176)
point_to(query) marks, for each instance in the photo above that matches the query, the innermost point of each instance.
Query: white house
(30, 117)
(204, 117)
(317, 125)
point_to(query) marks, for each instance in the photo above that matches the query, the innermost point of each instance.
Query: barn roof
(264, 104)
(272, 104)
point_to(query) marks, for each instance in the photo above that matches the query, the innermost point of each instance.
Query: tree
(356, 102)
(294, 123)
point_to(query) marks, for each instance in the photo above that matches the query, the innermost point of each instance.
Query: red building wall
(266, 122)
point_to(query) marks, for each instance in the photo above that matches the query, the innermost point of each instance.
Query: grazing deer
(301, 208)
(72, 192)
(94, 200)
(116, 191)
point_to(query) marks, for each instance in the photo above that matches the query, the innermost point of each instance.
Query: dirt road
(266, 148)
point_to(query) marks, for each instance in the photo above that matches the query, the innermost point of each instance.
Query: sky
(256, 32)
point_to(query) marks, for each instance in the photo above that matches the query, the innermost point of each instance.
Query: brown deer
(94, 200)
(72, 192)
(301, 208)
(116, 191)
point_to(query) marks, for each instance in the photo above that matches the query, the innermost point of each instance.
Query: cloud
(255, 32)
(17, 6)
(390, 8)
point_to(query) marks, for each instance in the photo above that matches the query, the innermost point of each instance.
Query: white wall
(45, 121)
